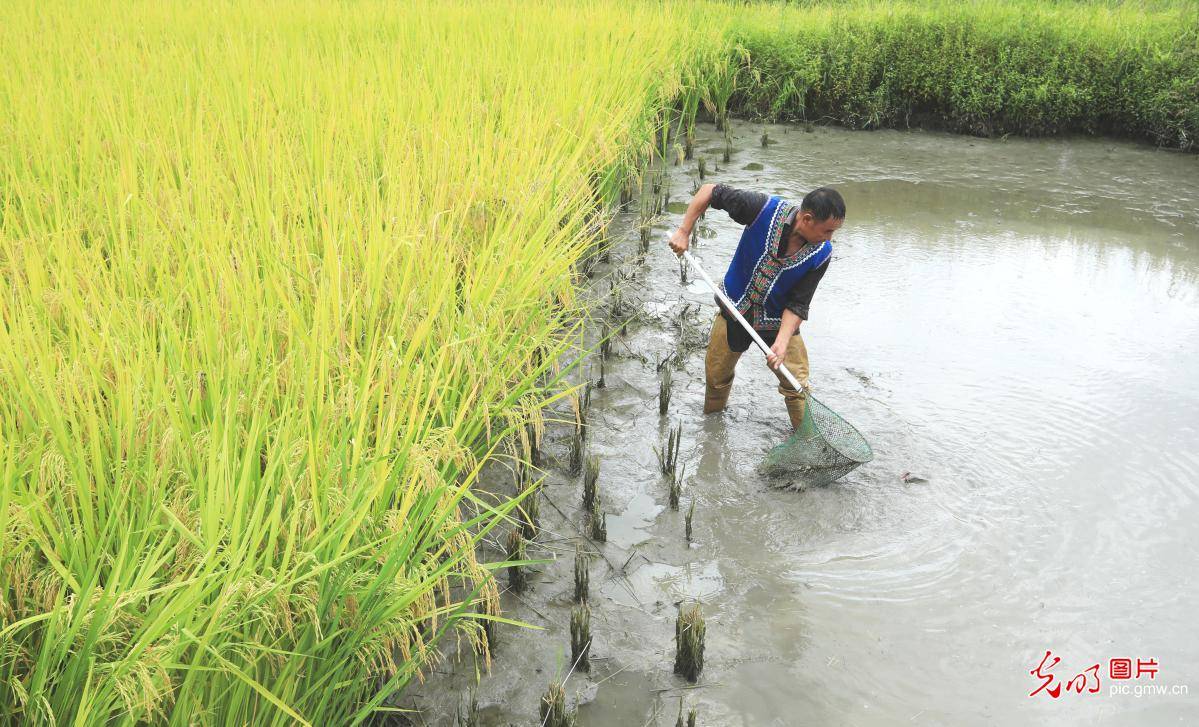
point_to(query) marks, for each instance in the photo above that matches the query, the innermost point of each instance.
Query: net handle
(741, 319)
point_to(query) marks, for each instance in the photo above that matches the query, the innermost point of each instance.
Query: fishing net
(823, 448)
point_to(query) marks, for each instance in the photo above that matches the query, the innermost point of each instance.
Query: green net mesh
(823, 448)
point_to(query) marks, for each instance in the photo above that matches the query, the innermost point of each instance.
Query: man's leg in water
(719, 364)
(796, 361)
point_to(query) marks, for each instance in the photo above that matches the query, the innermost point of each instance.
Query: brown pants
(721, 360)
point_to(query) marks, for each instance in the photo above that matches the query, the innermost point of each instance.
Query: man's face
(817, 231)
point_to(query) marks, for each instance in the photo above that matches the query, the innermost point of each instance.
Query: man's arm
(681, 239)
(699, 203)
(741, 204)
(795, 312)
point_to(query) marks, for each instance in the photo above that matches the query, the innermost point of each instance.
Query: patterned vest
(758, 280)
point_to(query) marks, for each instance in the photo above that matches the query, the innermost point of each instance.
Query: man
(783, 253)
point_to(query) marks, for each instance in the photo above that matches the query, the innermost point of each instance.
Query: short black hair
(823, 203)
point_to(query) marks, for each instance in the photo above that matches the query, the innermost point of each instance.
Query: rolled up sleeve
(742, 205)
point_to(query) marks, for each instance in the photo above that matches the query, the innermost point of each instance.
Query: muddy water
(1016, 324)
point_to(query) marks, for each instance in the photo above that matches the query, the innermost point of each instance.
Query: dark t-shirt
(743, 206)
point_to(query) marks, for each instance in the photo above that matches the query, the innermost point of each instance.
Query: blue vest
(756, 256)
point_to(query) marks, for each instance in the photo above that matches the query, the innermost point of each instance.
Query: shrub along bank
(986, 68)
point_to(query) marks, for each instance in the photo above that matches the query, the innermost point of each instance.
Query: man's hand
(679, 242)
(778, 350)
(703, 197)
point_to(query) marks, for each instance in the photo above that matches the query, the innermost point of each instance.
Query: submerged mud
(1014, 326)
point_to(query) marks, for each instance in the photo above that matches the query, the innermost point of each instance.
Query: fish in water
(861, 376)
(912, 479)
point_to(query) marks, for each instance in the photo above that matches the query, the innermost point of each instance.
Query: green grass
(1125, 69)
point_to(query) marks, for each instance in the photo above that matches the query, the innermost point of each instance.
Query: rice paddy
(274, 277)
(277, 280)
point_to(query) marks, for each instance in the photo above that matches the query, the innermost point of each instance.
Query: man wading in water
(783, 253)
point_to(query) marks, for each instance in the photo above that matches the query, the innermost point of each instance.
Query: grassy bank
(273, 276)
(1125, 69)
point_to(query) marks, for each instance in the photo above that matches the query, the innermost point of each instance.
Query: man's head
(820, 214)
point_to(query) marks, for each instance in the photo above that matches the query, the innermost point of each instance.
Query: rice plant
(689, 629)
(590, 481)
(598, 520)
(668, 456)
(582, 574)
(675, 487)
(533, 443)
(580, 637)
(276, 282)
(665, 378)
(582, 405)
(577, 447)
(691, 715)
(606, 332)
(552, 708)
(518, 578)
(468, 714)
(530, 512)
(581, 402)
(617, 306)
(668, 464)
